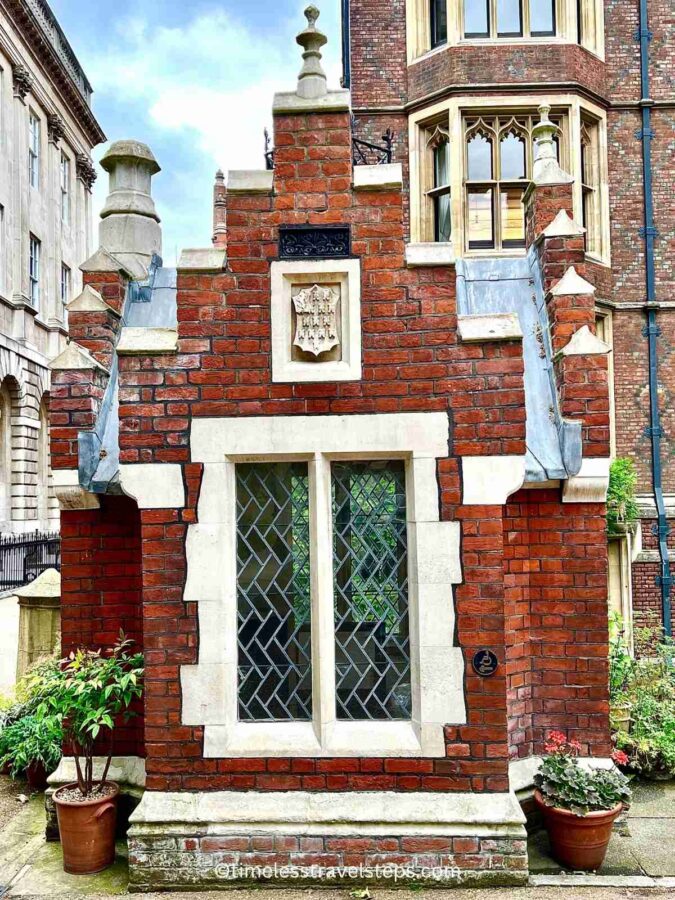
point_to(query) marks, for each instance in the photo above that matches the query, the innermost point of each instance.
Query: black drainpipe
(346, 46)
(652, 331)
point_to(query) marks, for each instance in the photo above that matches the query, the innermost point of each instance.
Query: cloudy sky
(195, 81)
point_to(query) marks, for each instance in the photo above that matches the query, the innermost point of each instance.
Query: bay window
(436, 23)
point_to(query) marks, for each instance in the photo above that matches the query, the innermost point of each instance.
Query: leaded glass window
(273, 592)
(370, 570)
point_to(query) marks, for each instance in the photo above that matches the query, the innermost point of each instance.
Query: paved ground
(643, 846)
(9, 642)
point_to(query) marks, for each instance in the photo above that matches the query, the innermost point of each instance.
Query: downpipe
(652, 330)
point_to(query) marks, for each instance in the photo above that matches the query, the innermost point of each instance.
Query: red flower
(619, 758)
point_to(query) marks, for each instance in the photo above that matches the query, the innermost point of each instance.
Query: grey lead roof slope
(484, 286)
(496, 285)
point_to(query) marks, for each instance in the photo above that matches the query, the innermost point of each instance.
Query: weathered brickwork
(216, 860)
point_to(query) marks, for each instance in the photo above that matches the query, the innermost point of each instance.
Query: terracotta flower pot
(578, 842)
(87, 829)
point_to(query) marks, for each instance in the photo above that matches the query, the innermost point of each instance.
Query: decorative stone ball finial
(312, 79)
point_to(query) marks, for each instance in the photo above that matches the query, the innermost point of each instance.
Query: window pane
(370, 560)
(443, 226)
(513, 218)
(480, 158)
(513, 156)
(509, 17)
(442, 165)
(542, 17)
(439, 22)
(480, 212)
(273, 592)
(476, 18)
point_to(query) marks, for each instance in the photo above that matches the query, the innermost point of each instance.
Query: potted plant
(31, 746)
(579, 804)
(92, 689)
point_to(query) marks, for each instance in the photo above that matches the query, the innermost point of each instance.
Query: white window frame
(65, 181)
(34, 253)
(34, 148)
(451, 113)
(418, 27)
(437, 666)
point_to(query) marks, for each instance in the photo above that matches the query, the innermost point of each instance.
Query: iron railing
(364, 153)
(23, 557)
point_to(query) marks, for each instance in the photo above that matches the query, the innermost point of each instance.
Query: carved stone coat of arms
(316, 311)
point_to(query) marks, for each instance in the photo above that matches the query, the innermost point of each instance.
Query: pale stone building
(47, 132)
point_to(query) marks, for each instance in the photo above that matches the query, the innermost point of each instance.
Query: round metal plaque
(485, 663)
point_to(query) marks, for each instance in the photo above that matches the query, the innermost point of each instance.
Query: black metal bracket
(643, 33)
(366, 153)
(651, 331)
(643, 133)
(651, 232)
(652, 432)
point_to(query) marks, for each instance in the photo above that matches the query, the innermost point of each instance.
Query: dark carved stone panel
(307, 242)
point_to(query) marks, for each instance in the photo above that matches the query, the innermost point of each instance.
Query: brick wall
(555, 562)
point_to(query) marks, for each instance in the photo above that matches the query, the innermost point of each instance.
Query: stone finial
(130, 227)
(546, 169)
(312, 82)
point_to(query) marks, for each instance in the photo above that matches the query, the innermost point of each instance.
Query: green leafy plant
(622, 510)
(31, 740)
(88, 693)
(645, 687)
(25, 736)
(565, 784)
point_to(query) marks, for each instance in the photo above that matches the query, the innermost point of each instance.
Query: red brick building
(344, 483)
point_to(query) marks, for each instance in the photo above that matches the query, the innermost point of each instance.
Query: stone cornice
(45, 54)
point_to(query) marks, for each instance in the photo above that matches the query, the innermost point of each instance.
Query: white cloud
(215, 76)
(209, 83)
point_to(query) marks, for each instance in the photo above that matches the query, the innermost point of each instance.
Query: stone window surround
(452, 112)
(284, 274)
(418, 28)
(209, 688)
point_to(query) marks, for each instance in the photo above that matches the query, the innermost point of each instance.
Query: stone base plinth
(221, 839)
